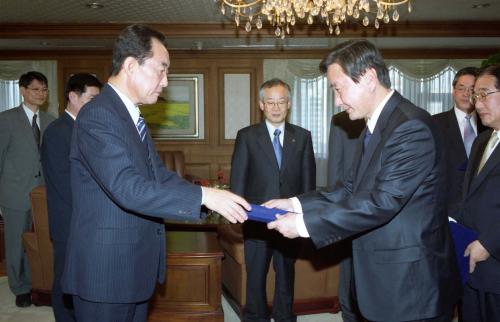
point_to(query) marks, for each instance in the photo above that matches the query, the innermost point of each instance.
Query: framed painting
(179, 111)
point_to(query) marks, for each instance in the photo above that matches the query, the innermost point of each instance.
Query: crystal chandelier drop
(284, 14)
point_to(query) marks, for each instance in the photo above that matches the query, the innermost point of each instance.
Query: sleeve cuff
(299, 218)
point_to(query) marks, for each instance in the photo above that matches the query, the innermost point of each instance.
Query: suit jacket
(344, 134)
(121, 194)
(403, 260)
(55, 161)
(255, 174)
(456, 156)
(481, 212)
(20, 168)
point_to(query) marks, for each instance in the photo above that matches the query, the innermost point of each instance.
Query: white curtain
(427, 83)
(11, 70)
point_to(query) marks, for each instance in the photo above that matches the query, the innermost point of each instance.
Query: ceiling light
(481, 5)
(94, 5)
(284, 14)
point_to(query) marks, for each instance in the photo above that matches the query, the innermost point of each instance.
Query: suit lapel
(266, 144)
(289, 143)
(376, 137)
(455, 134)
(493, 160)
(25, 126)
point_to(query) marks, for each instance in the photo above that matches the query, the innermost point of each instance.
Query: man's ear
(130, 64)
(72, 97)
(370, 78)
(261, 106)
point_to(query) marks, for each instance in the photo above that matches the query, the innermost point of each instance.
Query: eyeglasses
(274, 104)
(38, 90)
(481, 96)
(461, 89)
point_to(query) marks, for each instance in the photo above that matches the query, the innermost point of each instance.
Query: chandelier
(284, 14)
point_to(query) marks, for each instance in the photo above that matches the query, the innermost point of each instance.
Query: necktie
(366, 139)
(278, 150)
(36, 130)
(141, 127)
(489, 149)
(469, 134)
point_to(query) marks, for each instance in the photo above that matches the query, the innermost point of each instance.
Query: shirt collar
(372, 121)
(461, 114)
(29, 113)
(69, 113)
(271, 128)
(132, 109)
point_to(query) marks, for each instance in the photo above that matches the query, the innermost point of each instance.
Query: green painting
(176, 114)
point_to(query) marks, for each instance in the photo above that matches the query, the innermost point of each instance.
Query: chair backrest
(174, 161)
(39, 247)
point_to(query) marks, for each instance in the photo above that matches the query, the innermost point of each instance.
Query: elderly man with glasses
(480, 209)
(273, 159)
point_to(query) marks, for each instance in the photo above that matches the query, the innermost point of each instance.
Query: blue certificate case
(462, 237)
(263, 214)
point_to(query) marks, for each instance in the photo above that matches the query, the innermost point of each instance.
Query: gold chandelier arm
(392, 3)
(246, 5)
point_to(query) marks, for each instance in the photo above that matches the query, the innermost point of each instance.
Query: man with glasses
(272, 159)
(481, 210)
(459, 127)
(21, 129)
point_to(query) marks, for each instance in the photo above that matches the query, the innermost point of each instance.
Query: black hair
(472, 71)
(355, 57)
(134, 41)
(78, 83)
(26, 79)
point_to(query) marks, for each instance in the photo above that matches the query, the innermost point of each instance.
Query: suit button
(159, 231)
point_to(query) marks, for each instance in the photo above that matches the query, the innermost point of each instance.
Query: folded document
(263, 214)
(462, 237)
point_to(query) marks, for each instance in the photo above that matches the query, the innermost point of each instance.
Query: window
(9, 94)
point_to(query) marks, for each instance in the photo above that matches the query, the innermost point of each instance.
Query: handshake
(279, 213)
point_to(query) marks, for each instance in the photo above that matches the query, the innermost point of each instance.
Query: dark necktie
(366, 139)
(278, 150)
(141, 127)
(36, 130)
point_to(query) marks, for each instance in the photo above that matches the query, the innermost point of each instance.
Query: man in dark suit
(344, 135)
(459, 127)
(122, 192)
(273, 159)
(481, 210)
(20, 171)
(80, 89)
(404, 267)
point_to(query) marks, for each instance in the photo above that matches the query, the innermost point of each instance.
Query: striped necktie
(141, 128)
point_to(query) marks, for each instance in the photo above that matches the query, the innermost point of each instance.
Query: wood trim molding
(433, 29)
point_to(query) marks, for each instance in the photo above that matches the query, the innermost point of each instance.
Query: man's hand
(285, 204)
(285, 224)
(226, 203)
(477, 254)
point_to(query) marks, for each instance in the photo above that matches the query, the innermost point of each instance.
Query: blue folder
(263, 214)
(462, 237)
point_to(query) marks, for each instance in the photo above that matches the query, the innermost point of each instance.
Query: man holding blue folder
(392, 204)
(272, 159)
(481, 207)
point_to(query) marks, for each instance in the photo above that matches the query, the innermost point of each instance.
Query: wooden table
(192, 291)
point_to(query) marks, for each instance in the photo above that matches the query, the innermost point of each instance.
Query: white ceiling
(30, 13)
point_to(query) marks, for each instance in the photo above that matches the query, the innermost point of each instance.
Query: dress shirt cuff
(202, 196)
(299, 218)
